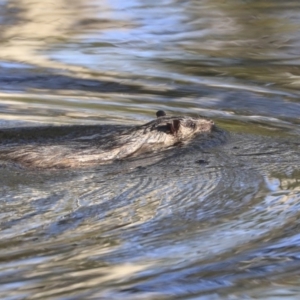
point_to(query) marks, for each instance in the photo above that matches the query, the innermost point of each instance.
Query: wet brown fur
(96, 149)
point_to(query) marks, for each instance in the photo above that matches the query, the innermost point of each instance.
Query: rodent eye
(191, 124)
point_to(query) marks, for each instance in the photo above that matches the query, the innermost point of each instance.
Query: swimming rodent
(159, 134)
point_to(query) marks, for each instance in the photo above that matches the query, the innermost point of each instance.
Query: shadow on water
(214, 219)
(230, 103)
(55, 134)
(61, 82)
(182, 217)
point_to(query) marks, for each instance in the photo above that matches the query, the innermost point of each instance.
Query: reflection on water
(201, 223)
(130, 58)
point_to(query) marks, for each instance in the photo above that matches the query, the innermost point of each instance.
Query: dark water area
(213, 219)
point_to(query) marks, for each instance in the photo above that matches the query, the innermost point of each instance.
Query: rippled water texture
(217, 218)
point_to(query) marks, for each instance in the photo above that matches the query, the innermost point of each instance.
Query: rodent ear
(174, 126)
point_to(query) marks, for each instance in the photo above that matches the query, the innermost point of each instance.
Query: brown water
(205, 221)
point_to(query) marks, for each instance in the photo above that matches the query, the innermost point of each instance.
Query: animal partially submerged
(88, 150)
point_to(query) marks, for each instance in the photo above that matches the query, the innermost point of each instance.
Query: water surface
(204, 221)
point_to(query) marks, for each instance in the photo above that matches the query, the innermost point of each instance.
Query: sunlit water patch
(205, 221)
(163, 230)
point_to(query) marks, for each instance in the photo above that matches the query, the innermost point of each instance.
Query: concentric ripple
(209, 216)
